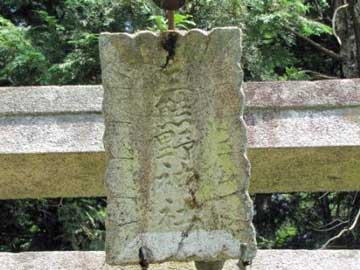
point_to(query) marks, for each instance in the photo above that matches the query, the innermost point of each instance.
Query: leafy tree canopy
(55, 42)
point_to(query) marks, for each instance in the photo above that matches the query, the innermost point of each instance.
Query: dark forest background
(56, 42)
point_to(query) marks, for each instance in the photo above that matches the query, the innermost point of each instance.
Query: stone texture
(209, 265)
(336, 127)
(177, 175)
(302, 95)
(39, 100)
(305, 169)
(63, 133)
(58, 151)
(264, 260)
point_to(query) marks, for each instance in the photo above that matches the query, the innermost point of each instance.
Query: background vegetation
(55, 42)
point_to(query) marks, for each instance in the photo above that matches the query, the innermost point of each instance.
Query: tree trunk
(348, 29)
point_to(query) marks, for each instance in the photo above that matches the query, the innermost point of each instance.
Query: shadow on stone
(209, 265)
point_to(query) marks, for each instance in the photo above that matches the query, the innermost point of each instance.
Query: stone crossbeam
(304, 136)
(265, 260)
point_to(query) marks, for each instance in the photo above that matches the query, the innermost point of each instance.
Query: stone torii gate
(303, 136)
(177, 172)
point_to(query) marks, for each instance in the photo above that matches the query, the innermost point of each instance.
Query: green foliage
(283, 234)
(181, 22)
(294, 74)
(159, 23)
(56, 224)
(268, 44)
(20, 62)
(61, 36)
(269, 40)
(305, 220)
(310, 27)
(83, 223)
(184, 21)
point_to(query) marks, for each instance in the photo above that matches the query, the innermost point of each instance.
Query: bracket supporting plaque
(177, 174)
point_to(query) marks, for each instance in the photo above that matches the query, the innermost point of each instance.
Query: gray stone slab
(40, 134)
(265, 260)
(37, 100)
(304, 128)
(65, 139)
(267, 95)
(266, 129)
(303, 94)
(177, 170)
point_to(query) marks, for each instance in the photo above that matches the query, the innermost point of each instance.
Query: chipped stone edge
(139, 34)
(244, 252)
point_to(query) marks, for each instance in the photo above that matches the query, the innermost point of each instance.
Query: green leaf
(160, 23)
(34, 229)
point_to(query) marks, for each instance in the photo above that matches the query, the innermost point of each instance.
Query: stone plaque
(177, 174)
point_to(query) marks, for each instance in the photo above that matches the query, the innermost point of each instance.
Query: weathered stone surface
(335, 127)
(264, 260)
(177, 175)
(56, 158)
(66, 133)
(50, 100)
(52, 175)
(302, 95)
(305, 169)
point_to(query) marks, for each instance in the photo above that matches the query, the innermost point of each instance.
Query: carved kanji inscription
(177, 174)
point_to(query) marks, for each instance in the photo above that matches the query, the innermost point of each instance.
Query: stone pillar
(177, 174)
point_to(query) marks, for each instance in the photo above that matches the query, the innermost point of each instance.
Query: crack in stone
(169, 44)
(185, 235)
(126, 223)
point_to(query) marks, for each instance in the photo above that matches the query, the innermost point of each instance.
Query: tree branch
(352, 227)
(318, 46)
(319, 76)
(334, 22)
(331, 228)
